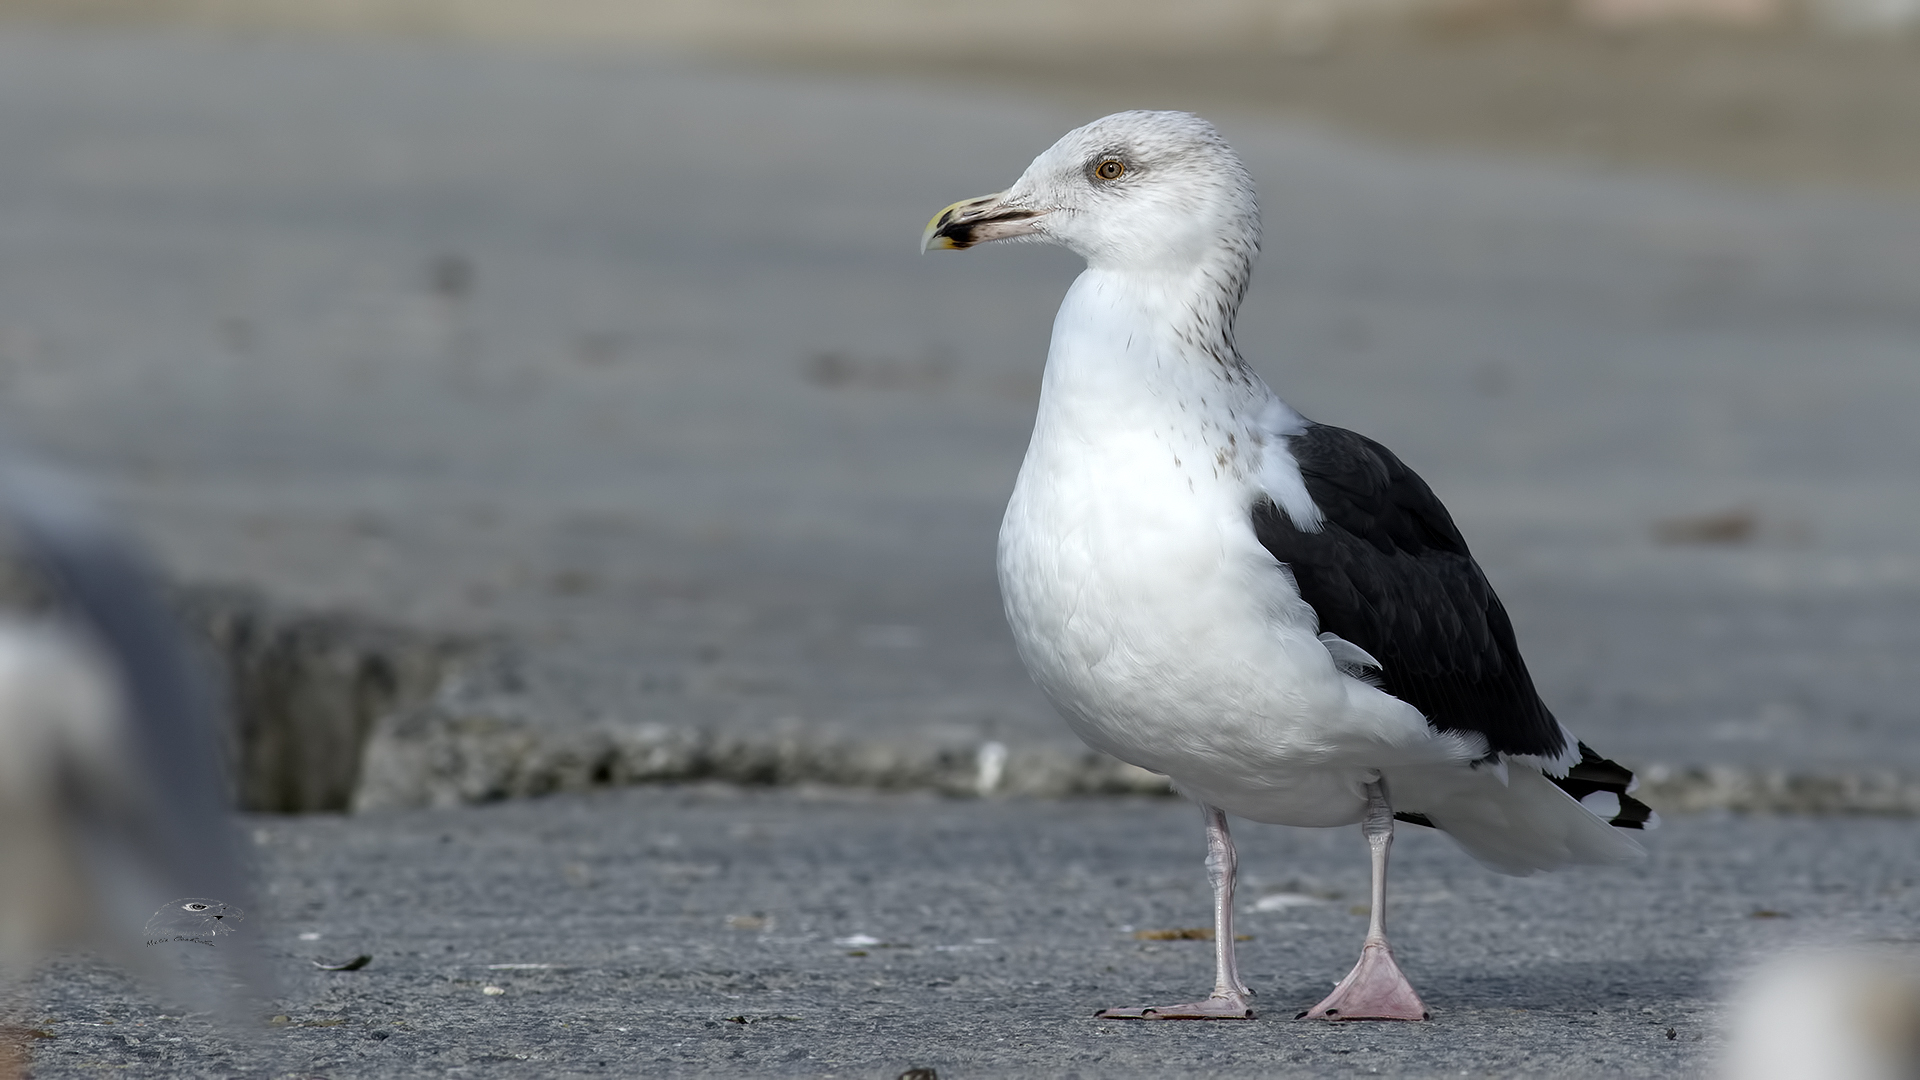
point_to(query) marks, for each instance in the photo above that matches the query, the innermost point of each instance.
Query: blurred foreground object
(113, 799)
(1836, 1016)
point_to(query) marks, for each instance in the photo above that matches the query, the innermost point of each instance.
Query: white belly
(1140, 598)
(1146, 609)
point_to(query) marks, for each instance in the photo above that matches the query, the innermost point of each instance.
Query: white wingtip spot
(1604, 804)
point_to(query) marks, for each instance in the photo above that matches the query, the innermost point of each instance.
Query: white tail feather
(1525, 825)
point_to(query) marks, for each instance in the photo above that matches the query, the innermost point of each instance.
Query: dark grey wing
(1390, 573)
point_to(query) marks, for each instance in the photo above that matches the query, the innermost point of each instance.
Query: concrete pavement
(716, 931)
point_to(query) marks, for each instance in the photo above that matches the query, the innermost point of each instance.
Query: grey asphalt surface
(630, 360)
(703, 932)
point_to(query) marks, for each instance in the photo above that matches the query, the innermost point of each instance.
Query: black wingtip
(1594, 773)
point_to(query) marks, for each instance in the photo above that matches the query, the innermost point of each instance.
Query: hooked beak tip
(976, 221)
(934, 238)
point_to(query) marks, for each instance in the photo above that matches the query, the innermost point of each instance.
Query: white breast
(1140, 598)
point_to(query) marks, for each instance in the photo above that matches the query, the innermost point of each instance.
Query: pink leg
(1229, 998)
(1375, 989)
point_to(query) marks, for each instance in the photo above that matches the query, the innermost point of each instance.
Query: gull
(1276, 614)
(112, 795)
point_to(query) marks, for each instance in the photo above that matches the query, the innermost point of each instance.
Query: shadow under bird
(114, 805)
(1276, 614)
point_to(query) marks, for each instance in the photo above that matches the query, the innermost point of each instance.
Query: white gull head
(1152, 191)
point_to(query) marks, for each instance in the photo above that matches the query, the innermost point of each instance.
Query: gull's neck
(1136, 346)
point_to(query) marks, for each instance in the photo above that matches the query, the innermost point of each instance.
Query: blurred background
(532, 396)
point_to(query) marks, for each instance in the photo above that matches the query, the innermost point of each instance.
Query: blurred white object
(113, 799)
(1636, 13)
(1867, 16)
(1850, 17)
(1851, 1015)
(991, 765)
(62, 729)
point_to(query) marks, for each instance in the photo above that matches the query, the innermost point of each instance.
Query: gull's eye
(195, 907)
(1110, 169)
